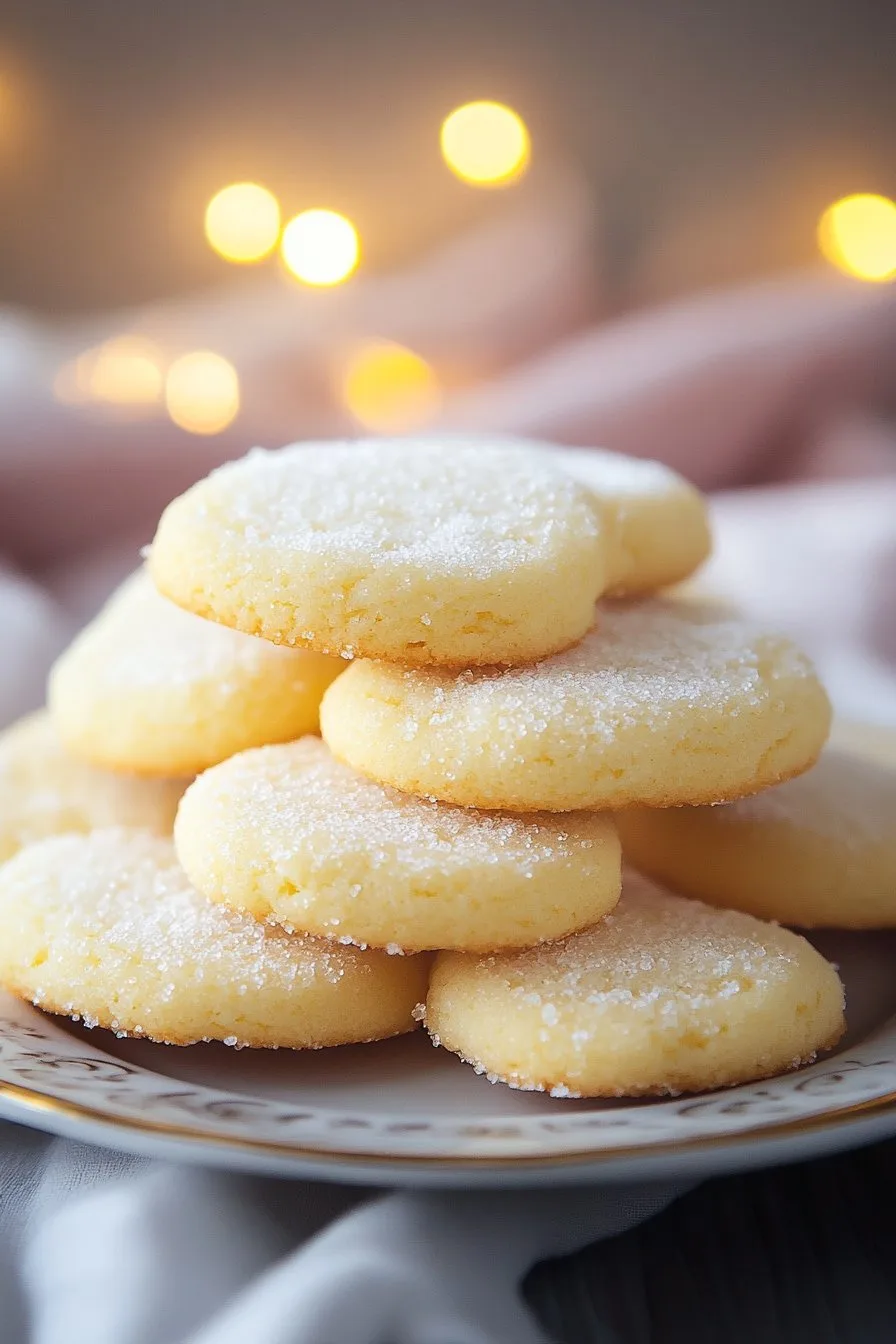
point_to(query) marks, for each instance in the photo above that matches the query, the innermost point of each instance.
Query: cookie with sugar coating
(108, 929)
(289, 833)
(660, 704)
(818, 851)
(44, 791)
(664, 996)
(659, 521)
(418, 551)
(150, 688)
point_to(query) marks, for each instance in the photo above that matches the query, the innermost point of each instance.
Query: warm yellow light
(242, 222)
(858, 235)
(389, 389)
(8, 109)
(320, 247)
(124, 372)
(486, 144)
(18, 109)
(202, 392)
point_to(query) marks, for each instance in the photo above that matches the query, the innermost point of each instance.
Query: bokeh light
(19, 106)
(486, 144)
(242, 222)
(124, 372)
(858, 235)
(8, 109)
(202, 392)
(320, 247)
(389, 389)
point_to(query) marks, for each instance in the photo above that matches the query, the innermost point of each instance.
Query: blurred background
(639, 151)
(710, 137)
(668, 229)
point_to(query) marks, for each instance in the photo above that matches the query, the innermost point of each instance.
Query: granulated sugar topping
(298, 799)
(44, 791)
(120, 897)
(646, 660)
(407, 503)
(149, 641)
(654, 952)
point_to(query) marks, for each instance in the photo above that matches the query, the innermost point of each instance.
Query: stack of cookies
(501, 697)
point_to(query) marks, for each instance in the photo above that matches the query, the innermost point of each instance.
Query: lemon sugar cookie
(44, 791)
(150, 688)
(660, 704)
(659, 521)
(107, 928)
(289, 833)
(664, 996)
(419, 551)
(816, 851)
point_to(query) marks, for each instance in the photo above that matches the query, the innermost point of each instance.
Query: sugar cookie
(664, 996)
(45, 791)
(150, 688)
(290, 833)
(660, 704)
(107, 928)
(818, 851)
(419, 551)
(660, 522)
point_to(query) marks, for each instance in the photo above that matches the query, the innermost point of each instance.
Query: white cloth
(96, 1248)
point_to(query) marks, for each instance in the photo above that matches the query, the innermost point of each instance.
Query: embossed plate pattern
(401, 1111)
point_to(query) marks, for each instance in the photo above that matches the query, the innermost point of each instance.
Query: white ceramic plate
(403, 1113)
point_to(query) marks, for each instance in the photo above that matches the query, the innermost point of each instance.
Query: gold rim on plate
(32, 1100)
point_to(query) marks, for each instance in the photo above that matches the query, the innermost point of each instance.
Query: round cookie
(107, 928)
(664, 996)
(150, 688)
(44, 791)
(818, 851)
(660, 704)
(418, 551)
(289, 833)
(659, 521)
